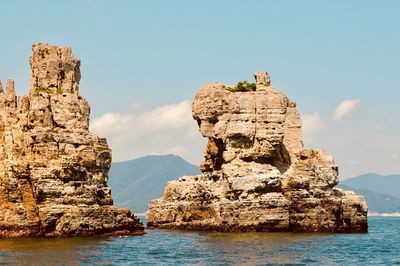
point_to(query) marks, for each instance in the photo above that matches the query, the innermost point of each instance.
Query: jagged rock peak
(262, 80)
(53, 170)
(54, 69)
(251, 126)
(256, 173)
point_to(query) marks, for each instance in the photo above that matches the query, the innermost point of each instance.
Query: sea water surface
(380, 246)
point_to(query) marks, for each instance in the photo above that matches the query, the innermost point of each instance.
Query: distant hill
(376, 183)
(377, 202)
(134, 183)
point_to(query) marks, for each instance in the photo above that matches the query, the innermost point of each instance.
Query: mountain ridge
(135, 182)
(377, 202)
(386, 184)
(149, 174)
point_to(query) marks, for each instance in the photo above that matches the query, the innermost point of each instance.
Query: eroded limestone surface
(53, 170)
(257, 176)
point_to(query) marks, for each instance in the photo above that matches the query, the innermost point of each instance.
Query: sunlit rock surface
(53, 170)
(257, 176)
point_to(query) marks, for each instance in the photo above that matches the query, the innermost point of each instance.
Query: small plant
(243, 86)
(22, 140)
(50, 90)
(44, 52)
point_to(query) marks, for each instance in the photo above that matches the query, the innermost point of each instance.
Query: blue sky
(141, 59)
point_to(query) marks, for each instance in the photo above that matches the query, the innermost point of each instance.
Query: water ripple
(380, 246)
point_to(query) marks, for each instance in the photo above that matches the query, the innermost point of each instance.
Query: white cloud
(312, 125)
(344, 108)
(163, 130)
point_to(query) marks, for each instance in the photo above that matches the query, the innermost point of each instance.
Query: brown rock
(53, 170)
(256, 174)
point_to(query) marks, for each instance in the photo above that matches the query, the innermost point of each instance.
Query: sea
(380, 246)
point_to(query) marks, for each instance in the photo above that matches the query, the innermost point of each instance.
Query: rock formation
(256, 174)
(53, 171)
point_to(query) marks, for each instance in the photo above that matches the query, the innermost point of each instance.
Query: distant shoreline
(373, 214)
(396, 214)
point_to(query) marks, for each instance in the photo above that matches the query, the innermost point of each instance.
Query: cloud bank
(163, 130)
(171, 129)
(312, 125)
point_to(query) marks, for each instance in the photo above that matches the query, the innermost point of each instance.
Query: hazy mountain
(376, 183)
(377, 202)
(382, 193)
(134, 183)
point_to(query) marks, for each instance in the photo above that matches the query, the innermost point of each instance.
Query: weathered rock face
(53, 171)
(256, 174)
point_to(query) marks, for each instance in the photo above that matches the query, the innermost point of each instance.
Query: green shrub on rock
(243, 86)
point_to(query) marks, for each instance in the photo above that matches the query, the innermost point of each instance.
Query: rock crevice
(53, 170)
(257, 176)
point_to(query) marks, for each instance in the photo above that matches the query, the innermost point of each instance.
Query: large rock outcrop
(53, 171)
(256, 174)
